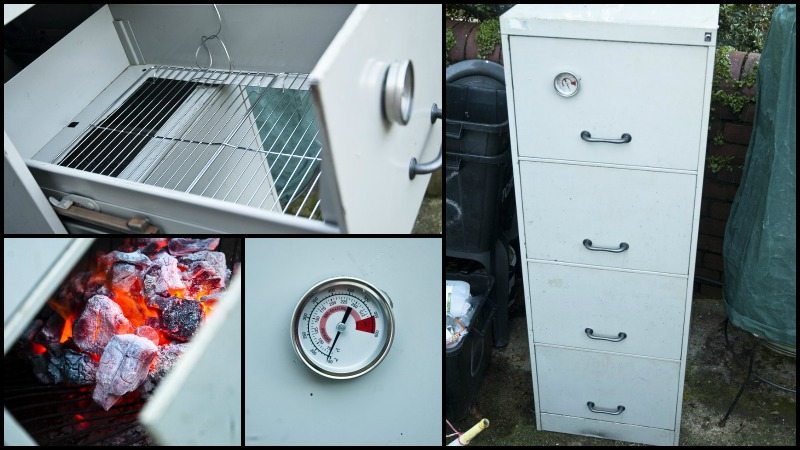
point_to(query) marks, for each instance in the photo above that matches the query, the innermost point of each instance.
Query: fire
(208, 306)
(132, 305)
(66, 333)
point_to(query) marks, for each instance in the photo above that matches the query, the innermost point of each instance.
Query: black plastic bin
(477, 186)
(477, 120)
(466, 363)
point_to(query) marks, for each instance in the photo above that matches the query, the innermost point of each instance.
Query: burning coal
(121, 325)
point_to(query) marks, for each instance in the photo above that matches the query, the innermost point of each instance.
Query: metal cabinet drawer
(566, 301)
(566, 205)
(639, 391)
(269, 138)
(621, 89)
(607, 430)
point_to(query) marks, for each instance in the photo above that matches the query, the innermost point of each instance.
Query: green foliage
(718, 139)
(488, 37)
(717, 163)
(725, 90)
(475, 12)
(450, 41)
(744, 26)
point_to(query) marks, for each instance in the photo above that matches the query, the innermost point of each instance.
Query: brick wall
(720, 188)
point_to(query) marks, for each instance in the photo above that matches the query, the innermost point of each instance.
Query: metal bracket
(129, 42)
(70, 199)
(89, 212)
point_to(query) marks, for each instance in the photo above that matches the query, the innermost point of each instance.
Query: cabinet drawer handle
(417, 168)
(622, 247)
(613, 412)
(590, 333)
(624, 139)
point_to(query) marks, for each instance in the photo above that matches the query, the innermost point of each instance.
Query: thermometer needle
(346, 315)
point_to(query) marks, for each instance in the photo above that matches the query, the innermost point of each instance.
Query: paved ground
(763, 416)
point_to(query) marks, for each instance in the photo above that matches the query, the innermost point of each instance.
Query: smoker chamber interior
(63, 414)
(245, 137)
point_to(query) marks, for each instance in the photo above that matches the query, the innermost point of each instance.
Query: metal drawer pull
(616, 412)
(417, 168)
(624, 139)
(590, 333)
(436, 113)
(622, 247)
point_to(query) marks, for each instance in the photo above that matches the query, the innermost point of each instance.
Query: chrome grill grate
(246, 137)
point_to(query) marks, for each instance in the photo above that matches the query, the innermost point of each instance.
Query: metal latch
(87, 210)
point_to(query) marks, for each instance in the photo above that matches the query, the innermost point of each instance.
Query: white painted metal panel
(366, 156)
(13, 433)
(200, 400)
(32, 269)
(171, 211)
(10, 12)
(648, 308)
(44, 97)
(607, 430)
(31, 212)
(645, 387)
(698, 198)
(397, 403)
(668, 24)
(650, 211)
(276, 38)
(663, 128)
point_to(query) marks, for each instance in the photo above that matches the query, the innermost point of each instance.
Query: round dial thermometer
(566, 84)
(343, 327)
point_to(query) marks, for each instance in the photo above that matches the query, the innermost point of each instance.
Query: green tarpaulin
(760, 238)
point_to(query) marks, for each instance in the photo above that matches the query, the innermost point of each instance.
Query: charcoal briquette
(123, 367)
(180, 318)
(184, 246)
(98, 323)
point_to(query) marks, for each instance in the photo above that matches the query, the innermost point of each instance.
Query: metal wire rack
(246, 137)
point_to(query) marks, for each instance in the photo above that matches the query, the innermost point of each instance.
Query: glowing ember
(124, 322)
(66, 333)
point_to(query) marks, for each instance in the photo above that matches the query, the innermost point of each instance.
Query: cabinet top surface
(677, 16)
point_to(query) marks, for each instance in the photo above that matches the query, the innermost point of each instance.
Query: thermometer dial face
(566, 84)
(343, 327)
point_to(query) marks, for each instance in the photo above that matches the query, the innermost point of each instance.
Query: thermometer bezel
(565, 75)
(384, 302)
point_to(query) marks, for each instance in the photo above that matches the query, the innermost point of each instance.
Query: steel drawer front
(651, 92)
(644, 389)
(607, 430)
(645, 216)
(648, 309)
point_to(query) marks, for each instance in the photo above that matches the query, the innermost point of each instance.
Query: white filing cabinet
(608, 108)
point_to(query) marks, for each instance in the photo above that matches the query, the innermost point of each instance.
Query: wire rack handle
(204, 39)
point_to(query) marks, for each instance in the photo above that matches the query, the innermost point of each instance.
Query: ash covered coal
(123, 367)
(185, 246)
(148, 333)
(164, 277)
(137, 258)
(98, 323)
